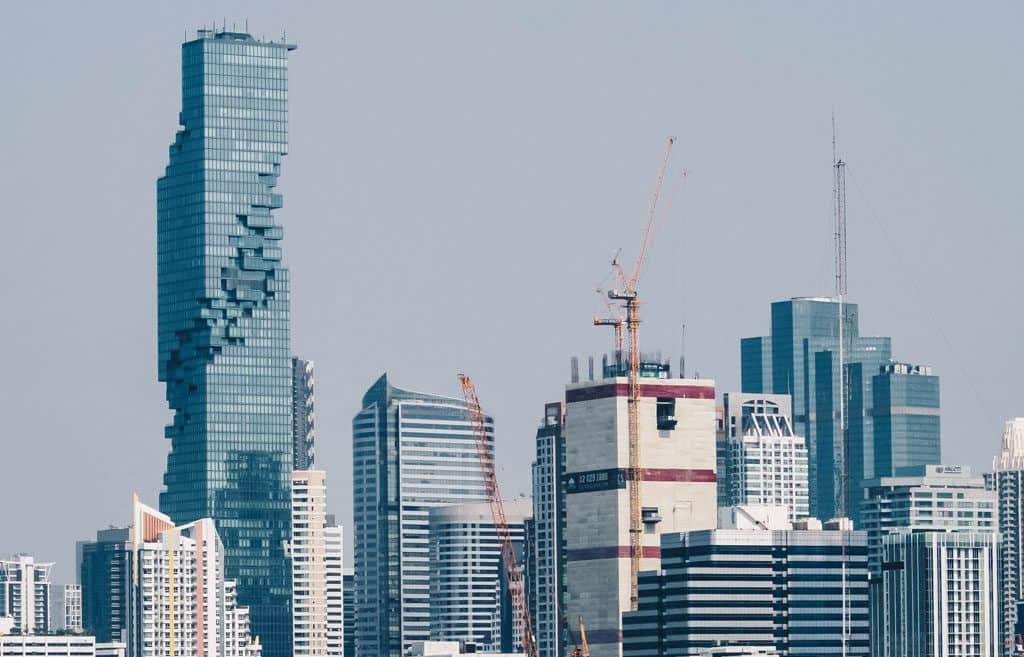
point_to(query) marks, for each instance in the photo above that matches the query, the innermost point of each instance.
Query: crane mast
(513, 577)
(839, 212)
(628, 297)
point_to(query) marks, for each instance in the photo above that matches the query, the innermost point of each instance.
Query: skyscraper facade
(776, 589)
(25, 593)
(411, 452)
(801, 358)
(180, 601)
(336, 592)
(466, 570)
(349, 602)
(1008, 474)
(904, 425)
(546, 554)
(941, 594)
(303, 426)
(104, 568)
(761, 459)
(308, 551)
(676, 433)
(923, 498)
(223, 335)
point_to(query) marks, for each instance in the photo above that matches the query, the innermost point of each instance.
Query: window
(666, 413)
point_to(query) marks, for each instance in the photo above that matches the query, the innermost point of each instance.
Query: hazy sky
(459, 174)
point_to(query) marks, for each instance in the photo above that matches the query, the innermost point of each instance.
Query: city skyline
(431, 243)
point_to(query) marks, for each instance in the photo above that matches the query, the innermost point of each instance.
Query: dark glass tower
(223, 317)
(801, 358)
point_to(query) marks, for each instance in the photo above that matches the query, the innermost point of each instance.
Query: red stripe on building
(611, 552)
(676, 474)
(646, 390)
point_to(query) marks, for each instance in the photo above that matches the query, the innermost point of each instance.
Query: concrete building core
(678, 494)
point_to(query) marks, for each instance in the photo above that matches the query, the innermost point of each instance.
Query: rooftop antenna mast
(839, 211)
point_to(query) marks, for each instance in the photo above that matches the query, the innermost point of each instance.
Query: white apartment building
(25, 593)
(941, 594)
(309, 565)
(763, 461)
(335, 578)
(181, 604)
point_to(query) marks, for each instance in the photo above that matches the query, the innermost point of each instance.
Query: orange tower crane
(513, 577)
(628, 297)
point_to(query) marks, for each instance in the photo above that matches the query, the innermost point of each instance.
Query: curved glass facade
(224, 349)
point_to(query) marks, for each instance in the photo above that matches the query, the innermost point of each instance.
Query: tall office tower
(776, 588)
(942, 594)
(223, 316)
(1008, 473)
(466, 570)
(182, 605)
(349, 598)
(411, 452)
(303, 429)
(25, 593)
(308, 550)
(765, 462)
(922, 498)
(546, 560)
(904, 411)
(104, 568)
(336, 591)
(801, 358)
(677, 493)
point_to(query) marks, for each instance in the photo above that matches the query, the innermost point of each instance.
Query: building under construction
(676, 436)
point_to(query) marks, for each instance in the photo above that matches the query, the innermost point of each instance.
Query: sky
(459, 175)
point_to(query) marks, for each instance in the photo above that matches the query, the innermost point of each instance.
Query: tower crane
(513, 577)
(628, 297)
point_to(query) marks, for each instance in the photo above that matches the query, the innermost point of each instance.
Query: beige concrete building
(678, 492)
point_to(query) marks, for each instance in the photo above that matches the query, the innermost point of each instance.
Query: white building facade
(941, 594)
(181, 604)
(466, 571)
(40, 645)
(308, 551)
(25, 593)
(335, 580)
(765, 461)
(677, 490)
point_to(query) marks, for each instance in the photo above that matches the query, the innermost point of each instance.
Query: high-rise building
(466, 570)
(761, 459)
(922, 498)
(925, 498)
(25, 593)
(546, 556)
(778, 589)
(104, 568)
(181, 603)
(801, 358)
(677, 460)
(411, 452)
(1008, 475)
(941, 593)
(349, 600)
(308, 551)
(224, 347)
(904, 425)
(303, 429)
(337, 631)
(66, 608)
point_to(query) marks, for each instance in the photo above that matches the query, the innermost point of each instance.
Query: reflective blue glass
(224, 350)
